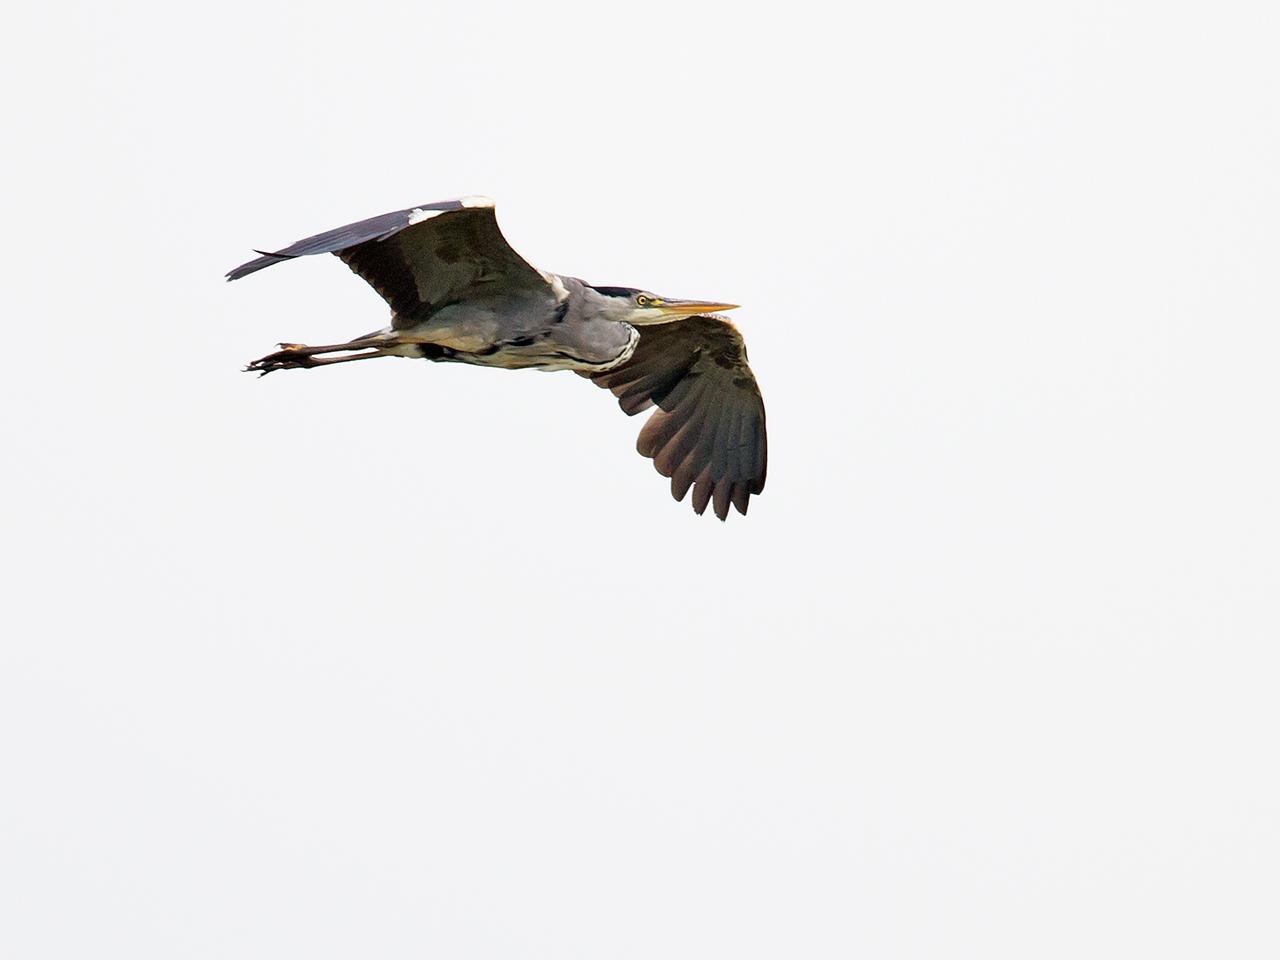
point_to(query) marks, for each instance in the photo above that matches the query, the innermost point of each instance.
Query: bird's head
(640, 307)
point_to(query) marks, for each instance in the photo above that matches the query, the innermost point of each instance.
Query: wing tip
(263, 261)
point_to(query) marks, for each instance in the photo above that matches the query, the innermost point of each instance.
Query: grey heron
(459, 293)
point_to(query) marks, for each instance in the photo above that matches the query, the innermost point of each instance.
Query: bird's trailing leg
(293, 356)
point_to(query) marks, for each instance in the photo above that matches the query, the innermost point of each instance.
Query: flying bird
(459, 293)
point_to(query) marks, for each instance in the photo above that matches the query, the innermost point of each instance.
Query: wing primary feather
(693, 465)
(701, 495)
(720, 498)
(680, 485)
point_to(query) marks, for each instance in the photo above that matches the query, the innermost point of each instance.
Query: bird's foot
(290, 356)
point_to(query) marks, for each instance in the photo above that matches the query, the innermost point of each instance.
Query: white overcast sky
(413, 660)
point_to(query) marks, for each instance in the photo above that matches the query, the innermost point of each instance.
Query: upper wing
(709, 426)
(421, 258)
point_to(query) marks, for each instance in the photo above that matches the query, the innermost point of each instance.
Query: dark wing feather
(451, 252)
(708, 432)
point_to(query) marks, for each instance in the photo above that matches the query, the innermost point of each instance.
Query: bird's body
(459, 293)
(567, 332)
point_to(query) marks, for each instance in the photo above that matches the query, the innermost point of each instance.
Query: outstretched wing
(708, 431)
(422, 257)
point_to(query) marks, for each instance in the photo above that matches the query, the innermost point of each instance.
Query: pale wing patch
(476, 201)
(418, 215)
(556, 284)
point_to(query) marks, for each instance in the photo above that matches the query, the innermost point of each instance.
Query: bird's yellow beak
(674, 309)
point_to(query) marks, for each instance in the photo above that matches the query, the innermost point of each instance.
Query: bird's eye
(642, 300)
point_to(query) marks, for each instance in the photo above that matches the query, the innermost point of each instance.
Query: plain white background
(413, 660)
